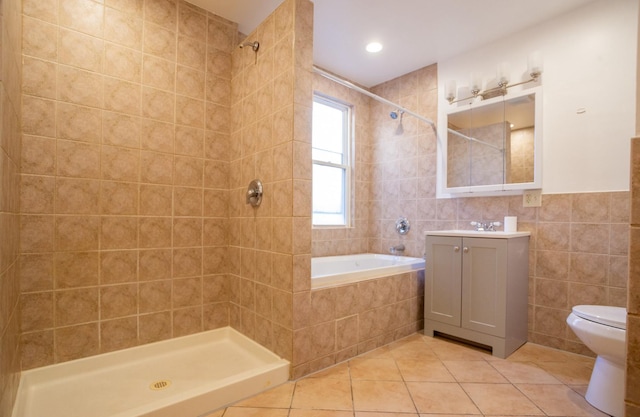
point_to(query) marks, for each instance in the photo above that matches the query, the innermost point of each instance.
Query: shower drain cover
(160, 385)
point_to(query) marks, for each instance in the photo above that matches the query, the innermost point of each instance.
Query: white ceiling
(415, 33)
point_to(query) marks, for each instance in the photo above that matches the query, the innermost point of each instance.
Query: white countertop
(474, 233)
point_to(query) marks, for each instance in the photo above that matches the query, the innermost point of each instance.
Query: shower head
(254, 45)
(394, 114)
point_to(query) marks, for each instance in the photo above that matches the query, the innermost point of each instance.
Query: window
(331, 162)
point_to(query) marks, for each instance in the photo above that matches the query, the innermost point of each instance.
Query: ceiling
(415, 33)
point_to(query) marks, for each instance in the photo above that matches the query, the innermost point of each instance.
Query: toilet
(603, 330)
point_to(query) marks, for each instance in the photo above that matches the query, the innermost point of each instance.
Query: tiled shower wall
(403, 173)
(11, 73)
(125, 175)
(270, 246)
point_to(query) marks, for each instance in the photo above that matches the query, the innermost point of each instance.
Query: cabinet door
(484, 281)
(443, 279)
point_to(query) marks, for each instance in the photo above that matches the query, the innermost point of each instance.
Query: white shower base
(204, 371)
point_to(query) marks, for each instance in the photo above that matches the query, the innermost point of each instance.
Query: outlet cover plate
(532, 198)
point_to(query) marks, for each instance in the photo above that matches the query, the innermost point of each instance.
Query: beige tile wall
(403, 162)
(125, 175)
(341, 322)
(11, 74)
(632, 397)
(270, 245)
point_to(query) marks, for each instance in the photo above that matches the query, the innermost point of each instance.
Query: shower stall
(133, 178)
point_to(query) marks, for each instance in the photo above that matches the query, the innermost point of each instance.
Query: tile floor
(420, 376)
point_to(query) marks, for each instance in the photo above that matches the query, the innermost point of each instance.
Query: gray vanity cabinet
(476, 288)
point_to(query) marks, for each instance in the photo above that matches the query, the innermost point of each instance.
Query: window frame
(347, 151)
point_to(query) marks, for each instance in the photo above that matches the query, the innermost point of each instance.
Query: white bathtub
(202, 372)
(330, 271)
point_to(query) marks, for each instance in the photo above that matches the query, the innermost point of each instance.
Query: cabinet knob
(456, 248)
(465, 249)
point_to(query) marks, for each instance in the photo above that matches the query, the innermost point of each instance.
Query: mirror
(494, 144)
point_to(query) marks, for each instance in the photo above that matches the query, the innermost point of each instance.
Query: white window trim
(347, 144)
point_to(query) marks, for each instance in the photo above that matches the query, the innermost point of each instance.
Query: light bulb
(450, 90)
(534, 64)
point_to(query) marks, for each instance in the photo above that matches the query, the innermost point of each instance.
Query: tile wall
(403, 165)
(125, 175)
(11, 74)
(341, 322)
(270, 245)
(521, 161)
(633, 301)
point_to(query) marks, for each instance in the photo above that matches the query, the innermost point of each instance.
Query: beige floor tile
(450, 351)
(530, 352)
(320, 413)
(374, 369)
(580, 389)
(255, 412)
(340, 371)
(415, 377)
(416, 337)
(441, 397)
(502, 399)
(278, 397)
(454, 415)
(559, 400)
(569, 372)
(218, 413)
(524, 372)
(474, 371)
(424, 370)
(390, 396)
(381, 352)
(322, 393)
(414, 349)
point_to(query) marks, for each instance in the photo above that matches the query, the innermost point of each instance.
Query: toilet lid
(607, 315)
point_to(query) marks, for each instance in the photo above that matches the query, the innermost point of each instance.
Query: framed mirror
(493, 145)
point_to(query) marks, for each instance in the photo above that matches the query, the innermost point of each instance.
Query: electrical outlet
(532, 198)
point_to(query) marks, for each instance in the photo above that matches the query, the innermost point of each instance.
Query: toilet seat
(606, 315)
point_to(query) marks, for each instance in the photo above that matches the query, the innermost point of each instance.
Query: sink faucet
(486, 226)
(397, 248)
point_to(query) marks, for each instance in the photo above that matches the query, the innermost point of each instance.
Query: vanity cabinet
(476, 286)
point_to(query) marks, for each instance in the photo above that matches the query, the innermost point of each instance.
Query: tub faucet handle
(397, 248)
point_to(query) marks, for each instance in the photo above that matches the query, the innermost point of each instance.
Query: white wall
(589, 60)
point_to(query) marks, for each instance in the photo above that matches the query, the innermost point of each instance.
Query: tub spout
(397, 248)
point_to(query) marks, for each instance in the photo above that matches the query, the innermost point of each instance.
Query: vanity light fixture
(374, 47)
(534, 68)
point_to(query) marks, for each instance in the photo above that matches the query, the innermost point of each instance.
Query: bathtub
(186, 376)
(331, 271)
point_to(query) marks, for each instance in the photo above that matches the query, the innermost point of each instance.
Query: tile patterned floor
(421, 376)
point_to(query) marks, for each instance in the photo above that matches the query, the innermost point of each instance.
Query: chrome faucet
(397, 248)
(486, 226)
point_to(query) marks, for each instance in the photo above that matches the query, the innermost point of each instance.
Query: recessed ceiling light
(374, 47)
